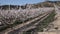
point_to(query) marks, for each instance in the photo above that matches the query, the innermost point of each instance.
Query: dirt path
(54, 28)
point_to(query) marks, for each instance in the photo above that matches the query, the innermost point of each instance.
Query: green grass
(46, 21)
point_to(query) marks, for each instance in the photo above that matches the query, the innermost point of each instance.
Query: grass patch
(46, 22)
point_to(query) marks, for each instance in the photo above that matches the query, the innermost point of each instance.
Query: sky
(19, 2)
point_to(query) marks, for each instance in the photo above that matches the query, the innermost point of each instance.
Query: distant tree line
(12, 7)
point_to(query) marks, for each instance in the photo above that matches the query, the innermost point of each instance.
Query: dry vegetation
(15, 16)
